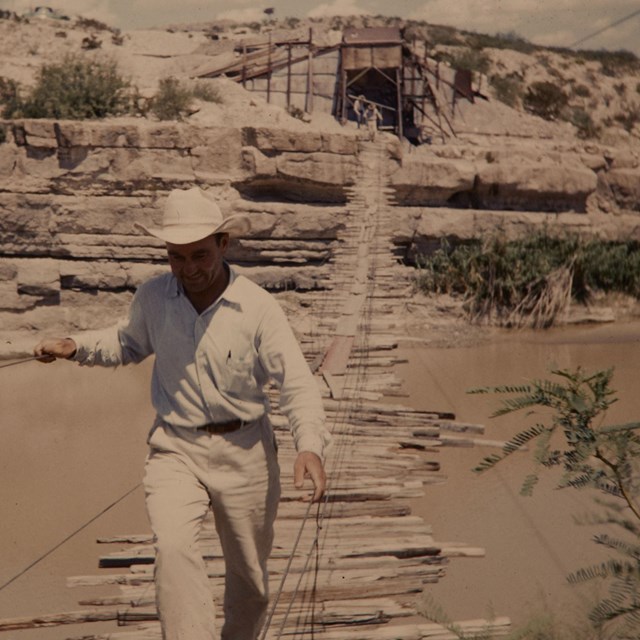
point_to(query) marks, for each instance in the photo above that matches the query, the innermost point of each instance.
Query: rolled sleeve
(124, 343)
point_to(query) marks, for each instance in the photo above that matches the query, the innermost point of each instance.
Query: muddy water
(72, 441)
(531, 543)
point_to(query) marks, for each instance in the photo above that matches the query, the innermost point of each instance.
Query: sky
(544, 22)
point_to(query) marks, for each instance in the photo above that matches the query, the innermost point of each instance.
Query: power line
(599, 31)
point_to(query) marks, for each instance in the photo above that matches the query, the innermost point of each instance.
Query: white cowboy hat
(191, 215)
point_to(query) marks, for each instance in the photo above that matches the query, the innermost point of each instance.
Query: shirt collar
(231, 294)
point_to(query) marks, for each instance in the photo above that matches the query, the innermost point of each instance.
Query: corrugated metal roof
(372, 35)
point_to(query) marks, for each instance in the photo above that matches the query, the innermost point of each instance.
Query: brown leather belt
(222, 427)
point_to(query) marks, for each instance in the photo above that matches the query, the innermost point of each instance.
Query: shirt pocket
(238, 373)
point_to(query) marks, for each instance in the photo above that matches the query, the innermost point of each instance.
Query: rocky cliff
(70, 193)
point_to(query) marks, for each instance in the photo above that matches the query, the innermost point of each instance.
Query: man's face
(199, 265)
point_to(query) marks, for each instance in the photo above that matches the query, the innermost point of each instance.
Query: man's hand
(309, 465)
(52, 348)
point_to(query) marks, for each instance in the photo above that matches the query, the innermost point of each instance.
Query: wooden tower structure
(371, 65)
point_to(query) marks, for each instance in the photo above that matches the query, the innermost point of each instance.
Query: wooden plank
(337, 356)
(57, 619)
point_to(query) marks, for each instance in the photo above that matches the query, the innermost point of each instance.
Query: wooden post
(269, 71)
(309, 105)
(288, 75)
(425, 83)
(399, 74)
(343, 96)
(244, 66)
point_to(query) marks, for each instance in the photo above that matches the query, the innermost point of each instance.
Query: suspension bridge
(354, 566)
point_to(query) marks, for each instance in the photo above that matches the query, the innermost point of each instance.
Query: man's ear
(223, 241)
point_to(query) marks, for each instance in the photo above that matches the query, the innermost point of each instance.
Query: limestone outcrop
(514, 181)
(70, 193)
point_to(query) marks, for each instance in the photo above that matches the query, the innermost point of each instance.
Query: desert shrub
(628, 119)
(90, 23)
(581, 90)
(584, 123)
(9, 97)
(292, 22)
(545, 99)
(471, 60)
(508, 89)
(296, 112)
(440, 34)
(3, 134)
(76, 88)
(613, 63)
(508, 40)
(206, 92)
(620, 88)
(91, 42)
(172, 100)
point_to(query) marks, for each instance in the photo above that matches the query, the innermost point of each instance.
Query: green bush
(75, 89)
(545, 99)
(568, 432)
(172, 100)
(527, 281)
(508, 89)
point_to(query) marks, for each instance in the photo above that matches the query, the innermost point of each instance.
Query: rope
(346, 406)
(285, 574)
(67, 538)
(11, 364)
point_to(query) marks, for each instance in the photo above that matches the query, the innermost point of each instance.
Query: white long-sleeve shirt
(213, 366)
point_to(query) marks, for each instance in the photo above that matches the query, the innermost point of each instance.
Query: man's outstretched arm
(53, 348)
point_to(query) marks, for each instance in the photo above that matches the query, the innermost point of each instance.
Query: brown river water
(72, 441)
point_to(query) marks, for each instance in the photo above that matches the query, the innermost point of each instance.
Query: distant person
(373, 118)
(359, 108)
(217, 339)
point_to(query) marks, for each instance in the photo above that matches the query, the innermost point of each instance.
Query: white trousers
(237, 475)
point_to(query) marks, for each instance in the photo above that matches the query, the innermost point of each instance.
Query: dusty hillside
(69, 188)
(602, 91)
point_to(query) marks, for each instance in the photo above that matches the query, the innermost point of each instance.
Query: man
(359, 108)
(217, 339)
(374, 119)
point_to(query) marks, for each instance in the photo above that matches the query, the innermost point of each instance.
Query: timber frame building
(415, 95)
